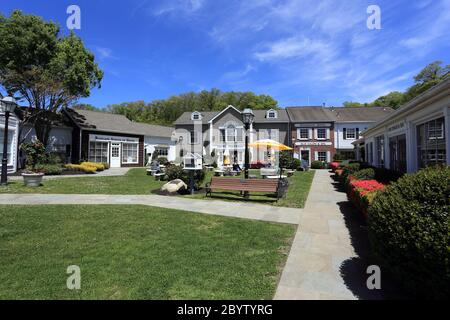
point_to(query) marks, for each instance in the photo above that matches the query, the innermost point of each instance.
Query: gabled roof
(208, 116)
(338, 114)
(361, 114)
(310, 114)
(109, 122)
(223, 111)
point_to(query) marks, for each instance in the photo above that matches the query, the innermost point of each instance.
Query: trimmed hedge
(49, 169)
(409, 231)
(318, 165)
(176, 172)
(364, 174)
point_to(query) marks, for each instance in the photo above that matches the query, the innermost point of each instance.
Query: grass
(136, 181)
(137, 252)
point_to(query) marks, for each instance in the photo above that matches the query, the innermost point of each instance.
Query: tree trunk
(43, 129)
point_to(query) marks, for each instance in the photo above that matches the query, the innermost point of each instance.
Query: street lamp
(7, 106)
(247, 118)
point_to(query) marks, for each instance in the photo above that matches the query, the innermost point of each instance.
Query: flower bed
(334, 166)
(362, 193)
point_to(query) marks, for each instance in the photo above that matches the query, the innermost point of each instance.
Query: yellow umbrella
(268, 143)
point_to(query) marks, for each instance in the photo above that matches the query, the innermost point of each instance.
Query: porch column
(410, 148)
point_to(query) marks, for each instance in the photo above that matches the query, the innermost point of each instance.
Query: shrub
(177, 172)
(318, 165)
(365, 174)
(349, 169)
(49, 169)
(409, 231)
(362, 193)
(53, 158)
(35, 154)
(106, 165)
(98, 166)
(81, 167)
(288, 161)
(334, 166)
(386, 175)
(297, 164)
(163, 160)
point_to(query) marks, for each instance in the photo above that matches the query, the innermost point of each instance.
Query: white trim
(272, 111)
(447, 132)
(217, 115)
(196, 113)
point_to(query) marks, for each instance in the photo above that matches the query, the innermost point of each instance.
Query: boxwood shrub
(318, 165)
(364, 174)
(409, 231)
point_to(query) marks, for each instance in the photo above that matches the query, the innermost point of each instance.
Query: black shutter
(357, 133)
(345, 133)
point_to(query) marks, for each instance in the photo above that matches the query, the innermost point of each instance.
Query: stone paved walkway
(224, 208)
(325, 259)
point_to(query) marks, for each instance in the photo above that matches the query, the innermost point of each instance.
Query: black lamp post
(7, 106)
(247, 118)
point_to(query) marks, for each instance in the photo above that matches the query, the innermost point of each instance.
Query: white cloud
(175, 6)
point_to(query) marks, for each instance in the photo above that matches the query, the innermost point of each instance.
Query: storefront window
(431, 146)
(10, 138)
(397, 149)
(379, 144)
(98, 151)
(129, 153)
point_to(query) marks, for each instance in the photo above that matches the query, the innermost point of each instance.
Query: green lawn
(137, 182)
(137, 252)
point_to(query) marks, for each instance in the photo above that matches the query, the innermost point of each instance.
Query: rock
(174, 186)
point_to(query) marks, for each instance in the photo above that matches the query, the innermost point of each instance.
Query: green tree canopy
(431, 75)
(168, 110)
(43, 67)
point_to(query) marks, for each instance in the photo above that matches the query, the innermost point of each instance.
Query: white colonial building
(13, 138)
(415, 136)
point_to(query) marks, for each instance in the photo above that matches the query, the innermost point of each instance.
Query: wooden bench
(250, 185)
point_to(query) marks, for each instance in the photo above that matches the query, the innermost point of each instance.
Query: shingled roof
(338, 114)
(260, 117)
(109, 122)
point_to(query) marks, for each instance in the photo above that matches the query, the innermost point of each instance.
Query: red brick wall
(331, 148)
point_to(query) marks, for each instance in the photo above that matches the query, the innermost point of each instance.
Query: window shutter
(328, 156)
(310, 133)
(328, 134)
(298, 134)
(345, 133)
(357, 133)
(316, 155)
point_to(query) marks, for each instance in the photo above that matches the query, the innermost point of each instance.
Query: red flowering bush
(334, 166)
(362, 193)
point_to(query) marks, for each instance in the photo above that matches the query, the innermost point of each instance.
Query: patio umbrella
(269, 143)
(272, 144)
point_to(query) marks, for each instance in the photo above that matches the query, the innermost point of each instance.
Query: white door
(115, 155)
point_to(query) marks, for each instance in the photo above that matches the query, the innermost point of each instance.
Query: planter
(32, 179)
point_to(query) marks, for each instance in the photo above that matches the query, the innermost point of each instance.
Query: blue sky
(302, 52)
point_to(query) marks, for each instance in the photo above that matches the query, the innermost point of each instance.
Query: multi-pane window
(231, 134)
(303, 133)
(239, 134)
(98, 151)
(379, 145)
(130, 153)
(350, 133)
(322, 156)
(321, 133)
(272, 115)
(9, 148)
(431, 144)
(164, 152)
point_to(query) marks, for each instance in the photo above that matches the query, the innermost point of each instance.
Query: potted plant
(35, 153)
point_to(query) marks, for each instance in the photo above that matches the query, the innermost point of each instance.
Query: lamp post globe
(7, 106)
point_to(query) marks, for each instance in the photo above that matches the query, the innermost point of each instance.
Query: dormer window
(196, 116)
(272, 114)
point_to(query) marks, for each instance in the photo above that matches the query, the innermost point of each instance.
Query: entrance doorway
(306, 156)
(115, 155)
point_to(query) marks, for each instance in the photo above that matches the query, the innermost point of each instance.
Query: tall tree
(46, 69)
(431, 75)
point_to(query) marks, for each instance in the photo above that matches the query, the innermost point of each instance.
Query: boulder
(174, 186)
